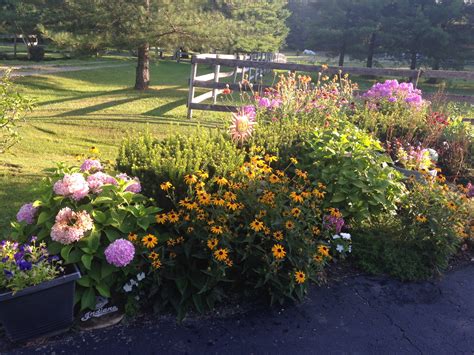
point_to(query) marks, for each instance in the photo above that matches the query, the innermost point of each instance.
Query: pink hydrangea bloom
(91, 165)
(70, 226)
(134, 187)
(99, 179)
(120, 253)
(72, 185)
(27, 213)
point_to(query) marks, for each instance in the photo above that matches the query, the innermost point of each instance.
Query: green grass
(77, 110)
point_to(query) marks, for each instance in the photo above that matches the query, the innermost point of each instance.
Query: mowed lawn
(77, 110)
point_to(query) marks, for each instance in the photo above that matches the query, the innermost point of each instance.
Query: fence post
(217, 70)
(191, 89)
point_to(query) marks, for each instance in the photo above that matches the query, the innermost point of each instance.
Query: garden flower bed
(304, 176)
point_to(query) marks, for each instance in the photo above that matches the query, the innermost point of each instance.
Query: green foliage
(252, 234)
(26, 265)
(416, 242)
(155, 161)
(115, 211)
(12, 107)
(354, 167)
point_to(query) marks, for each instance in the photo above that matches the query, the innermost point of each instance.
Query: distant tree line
(93, 26)
(440, 33)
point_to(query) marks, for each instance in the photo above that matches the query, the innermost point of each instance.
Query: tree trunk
(413, 60)
(370, 54)
(436, 66)
(342, 54)
(142, 79)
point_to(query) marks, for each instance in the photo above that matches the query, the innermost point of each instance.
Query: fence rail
(248, 67)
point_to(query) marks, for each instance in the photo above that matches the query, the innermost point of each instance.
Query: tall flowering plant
(85, 215)
(260, 229)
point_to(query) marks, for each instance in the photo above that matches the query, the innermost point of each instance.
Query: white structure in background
(309, 52)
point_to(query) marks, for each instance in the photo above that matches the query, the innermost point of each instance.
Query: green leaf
(54, 248)
(88, 299)
(44, 216)
(84, 281)
(99, 216)
(103, 290)
(181, 283)
(93, 240)
(65, 251)
(87, 260)
(112, 234)
(197, 299)
(106, 270)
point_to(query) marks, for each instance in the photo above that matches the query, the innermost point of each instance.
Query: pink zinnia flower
(91, 165)
(242, 127)
(27, 213)
(72, 185)
(97, 180)
(70, 226)
(120, 253)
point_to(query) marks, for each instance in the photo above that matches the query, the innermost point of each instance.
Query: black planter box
(40, 310)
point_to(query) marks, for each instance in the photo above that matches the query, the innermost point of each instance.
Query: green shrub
(154, 161)
(418, 241)
(260, 232)
(79, 214)
(353, 166)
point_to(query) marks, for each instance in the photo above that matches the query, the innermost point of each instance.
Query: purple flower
(392, 91)
(91, 165)
(24, 265)
(333, 222)
(264, 102)
(134, 187)
(120, 253)
(8, 273)
(72, 185)
(27, 214)
(470, 190)
(97, 180)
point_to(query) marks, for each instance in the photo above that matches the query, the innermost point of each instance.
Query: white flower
(340, 248)
(140, 276)
(336, 236)
(345, 236)
(127, 287)
(133, 282)
(350, 248)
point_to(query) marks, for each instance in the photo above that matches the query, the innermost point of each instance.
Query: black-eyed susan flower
(132, 237)
(278, 251)
(319, 194)
(166, 186)
(316, 230)
(273, 178)
(221, 254)
(190, 179)
(289, 225)
(278, 235)
(300, 277)
(153, 255)
(94, 150)
(270, 158)
(218, 201)
(293, 161)
(323, 250)
(302, 174)
(149, 241)
(156, 264)
(221, 181)
(173, 217)
(217, 229)
(318, 258)
(212, 243)
(161, 218)
(296, 197)
(295, 212)
(233, 206)
(230, 196)
(451, 205)
(257, 225)
(421, 218)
